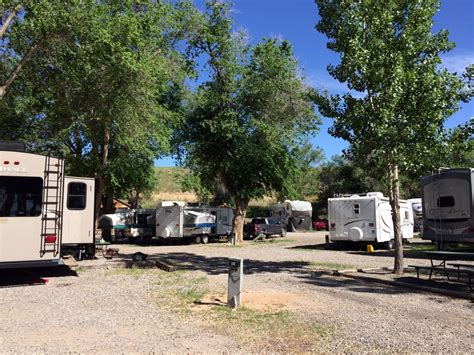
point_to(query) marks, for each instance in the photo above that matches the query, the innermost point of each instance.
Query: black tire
(197, 239)
(390, 245)
(205, 239)
(283, 233)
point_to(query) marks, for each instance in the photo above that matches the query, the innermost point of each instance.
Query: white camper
(32, 219)
(223, 219)
(178, 221)
(40, 209)
(417, 207)
(295, 215)
(448, 206)
(366, 218)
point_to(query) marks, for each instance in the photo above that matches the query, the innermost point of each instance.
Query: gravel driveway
(105, 311)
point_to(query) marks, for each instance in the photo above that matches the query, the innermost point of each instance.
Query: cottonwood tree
(391, 58)
(27, 28)
(104, 92)
(247, 117)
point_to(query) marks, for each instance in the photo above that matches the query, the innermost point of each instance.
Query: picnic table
(440, 259)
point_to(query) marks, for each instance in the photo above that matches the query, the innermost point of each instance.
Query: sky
(294, 20)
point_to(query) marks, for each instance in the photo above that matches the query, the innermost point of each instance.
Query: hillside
(169, 188)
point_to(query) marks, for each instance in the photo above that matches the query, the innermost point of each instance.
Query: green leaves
(390, 56)
(246, 120)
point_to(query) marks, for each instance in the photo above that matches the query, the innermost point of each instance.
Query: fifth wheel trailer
(367, 218)
(448, 206)
(33, 220)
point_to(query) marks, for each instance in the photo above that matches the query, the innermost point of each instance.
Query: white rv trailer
(178, 221)
(223, 221)
(295, 215)
(367, 218)
(448, 206)
(417, 208)
(32, 216)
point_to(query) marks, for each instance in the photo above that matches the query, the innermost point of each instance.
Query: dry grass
(259, 330)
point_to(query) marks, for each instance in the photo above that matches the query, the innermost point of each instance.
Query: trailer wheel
(197, 239)
(205, 239)
(390, 245)
(283, 232)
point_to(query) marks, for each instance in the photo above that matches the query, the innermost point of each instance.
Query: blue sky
(295, 19)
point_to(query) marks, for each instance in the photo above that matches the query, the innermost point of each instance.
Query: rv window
(20, 196)
(406, 215)
(76, 196)
(445, 201)
(356, 208)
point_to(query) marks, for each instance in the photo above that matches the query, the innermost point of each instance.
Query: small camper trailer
(40, 209)
(295, 215)
(448, 206)
(367, 218)
(177, 221)
(417, 207)
(197, 223)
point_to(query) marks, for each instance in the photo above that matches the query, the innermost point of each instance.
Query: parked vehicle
(417, 208)
(199, 224)
(448, 206)
(321, 224)
(293, 215)
(41, 210)
(367, 218)
(265, 225)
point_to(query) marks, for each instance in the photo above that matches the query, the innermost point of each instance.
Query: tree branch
(9, 20)
(19, 66)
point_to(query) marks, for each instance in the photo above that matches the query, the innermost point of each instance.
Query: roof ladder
(52, 207)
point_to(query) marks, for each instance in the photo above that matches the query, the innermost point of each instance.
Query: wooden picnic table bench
(443, 257)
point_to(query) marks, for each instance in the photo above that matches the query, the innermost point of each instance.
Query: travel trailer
(417, 207)
(294, 215)
(198, 224)
(367, 218)
(448, 206)
(129, 223)
(40, 209)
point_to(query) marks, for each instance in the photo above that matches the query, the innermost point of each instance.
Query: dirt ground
(101, 309)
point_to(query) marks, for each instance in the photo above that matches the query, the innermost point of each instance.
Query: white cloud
(457, 62)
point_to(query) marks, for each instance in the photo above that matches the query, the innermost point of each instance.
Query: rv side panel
(78, 212)
(22, 188)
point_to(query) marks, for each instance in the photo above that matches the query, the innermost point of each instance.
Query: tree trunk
(239, 219)
(395, 204)
(9, 19)
(100, 175)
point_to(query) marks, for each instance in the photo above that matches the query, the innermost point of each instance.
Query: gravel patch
(107, 311)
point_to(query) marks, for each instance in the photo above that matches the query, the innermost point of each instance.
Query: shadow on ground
(220, 265)
(32, 276)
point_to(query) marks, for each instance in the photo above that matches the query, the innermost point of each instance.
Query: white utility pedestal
(235, 282)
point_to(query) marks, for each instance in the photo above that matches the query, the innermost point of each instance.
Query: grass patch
(330, 266)
(135, 272)
(275, 331)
